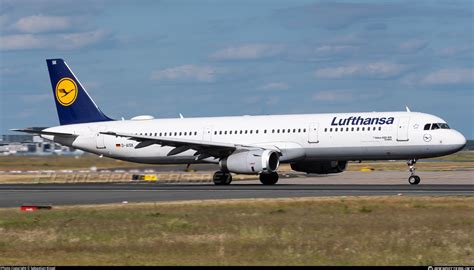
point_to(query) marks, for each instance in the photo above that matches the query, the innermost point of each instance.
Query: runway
(71, 194)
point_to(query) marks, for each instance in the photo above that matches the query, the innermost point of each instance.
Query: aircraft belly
(376, 152)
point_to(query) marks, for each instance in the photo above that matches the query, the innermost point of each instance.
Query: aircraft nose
(458, 140)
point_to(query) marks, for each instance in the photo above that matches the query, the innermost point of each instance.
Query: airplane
(310, 143)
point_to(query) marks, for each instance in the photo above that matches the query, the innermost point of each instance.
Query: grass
(62, 163)
(316, 231)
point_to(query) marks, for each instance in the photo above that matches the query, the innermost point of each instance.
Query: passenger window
(251, 131)
(225, 132)
(304, 130)
(256, 131)
(326, 130)
(335, 129)
(220, 132)
(245, 131)
(299, 130)
(282, 131)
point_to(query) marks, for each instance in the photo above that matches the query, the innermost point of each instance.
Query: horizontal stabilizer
(42, 132)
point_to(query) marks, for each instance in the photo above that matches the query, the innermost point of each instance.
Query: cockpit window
(427, 127)
(437, 126)
(443, 125)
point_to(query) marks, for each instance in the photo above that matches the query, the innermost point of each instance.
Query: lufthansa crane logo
(427, 137)
(66, 91)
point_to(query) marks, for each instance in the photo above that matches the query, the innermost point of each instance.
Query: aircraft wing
(204, 149)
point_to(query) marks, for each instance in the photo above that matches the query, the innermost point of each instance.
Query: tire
(418, 179)
(414, 180)
(222, 178)
(269, 178)
(227, 179)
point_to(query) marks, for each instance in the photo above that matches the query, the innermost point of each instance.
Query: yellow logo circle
(66, 91)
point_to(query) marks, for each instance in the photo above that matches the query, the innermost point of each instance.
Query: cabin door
(99, 138)
(402, 129)
(207, 134)
(313, 133)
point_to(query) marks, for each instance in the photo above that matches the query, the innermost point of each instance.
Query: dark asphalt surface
(71, 194)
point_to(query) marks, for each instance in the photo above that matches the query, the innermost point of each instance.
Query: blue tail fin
(73, 103)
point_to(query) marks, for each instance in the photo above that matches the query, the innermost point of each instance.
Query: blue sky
(209, 58)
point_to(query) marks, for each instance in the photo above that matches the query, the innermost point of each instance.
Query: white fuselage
(306, 137)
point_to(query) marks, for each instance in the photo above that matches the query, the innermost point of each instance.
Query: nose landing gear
(413, 179)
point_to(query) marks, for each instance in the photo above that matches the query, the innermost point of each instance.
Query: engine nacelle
(320, 167)
(251, 162)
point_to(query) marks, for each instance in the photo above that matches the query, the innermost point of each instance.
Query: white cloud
(320, 52)
(21, 42)
(35, 98)
(333, 95)
(79, 40)
(449, 76)
(186, 72)
(413, 45)
(274, 86)
(324, 50)
(453, 51)
(55, 41)
(41, 24)
(248, 52)
(3, 20)
(374, 70)
(344, 95)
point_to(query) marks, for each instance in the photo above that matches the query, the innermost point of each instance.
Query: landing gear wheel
(222, 178)
(414, 180)
(269, 178)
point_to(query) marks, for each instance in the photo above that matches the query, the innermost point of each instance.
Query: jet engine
(320, 167)
(251, 162)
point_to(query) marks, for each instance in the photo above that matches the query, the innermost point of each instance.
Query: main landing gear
(269, 178)
(413, 179)
(222, 178)
(225, 178)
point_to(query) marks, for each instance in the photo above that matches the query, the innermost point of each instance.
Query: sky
(213, 58)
